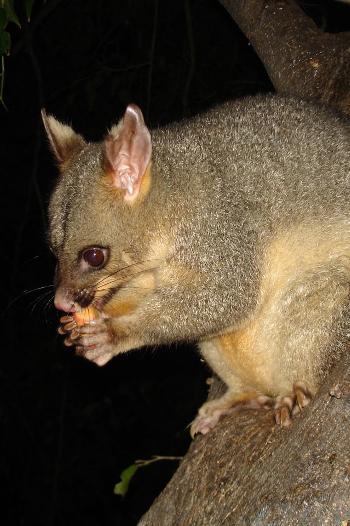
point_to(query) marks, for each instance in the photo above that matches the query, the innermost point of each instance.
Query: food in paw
(85, 316)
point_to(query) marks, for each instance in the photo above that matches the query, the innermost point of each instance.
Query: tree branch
(300, 59)
(249, 471)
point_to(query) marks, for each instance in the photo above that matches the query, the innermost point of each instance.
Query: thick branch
(249, 471)
(300, 59)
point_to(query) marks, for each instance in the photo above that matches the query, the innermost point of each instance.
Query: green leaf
(29, 8)
(11, 13)
(5, 42)
(125, 477)
(3, 18)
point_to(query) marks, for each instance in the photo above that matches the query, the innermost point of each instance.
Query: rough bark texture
(299, 58)
(247, 471)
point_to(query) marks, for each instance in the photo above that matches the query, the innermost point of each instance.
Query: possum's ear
(63, 140)
(128, 150)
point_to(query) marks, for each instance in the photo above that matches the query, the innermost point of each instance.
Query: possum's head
(95, 208)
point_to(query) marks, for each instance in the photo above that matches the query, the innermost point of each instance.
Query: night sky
(68, 427)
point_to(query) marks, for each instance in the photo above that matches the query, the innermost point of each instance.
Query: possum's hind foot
(288, 406)
(285, 407)
(211, 412)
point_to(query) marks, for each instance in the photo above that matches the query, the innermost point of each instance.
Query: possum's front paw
(95, 342)
(93, 339)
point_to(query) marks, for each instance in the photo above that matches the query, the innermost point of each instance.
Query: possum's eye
(95, 257)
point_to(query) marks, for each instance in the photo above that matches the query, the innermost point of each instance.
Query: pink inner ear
(129, 153)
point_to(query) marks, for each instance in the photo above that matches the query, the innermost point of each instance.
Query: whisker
(37, 301)
(126, 286)
(49, 304)
(38, 288)
(23, 294)
(119, 270)
(114, 279)
(123, 286)
(38, 256)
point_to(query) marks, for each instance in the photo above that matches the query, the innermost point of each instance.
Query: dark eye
(95, 257)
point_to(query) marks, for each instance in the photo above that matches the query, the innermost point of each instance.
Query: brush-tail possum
(230, 229)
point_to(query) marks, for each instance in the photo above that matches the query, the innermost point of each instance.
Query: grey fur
(225, 185)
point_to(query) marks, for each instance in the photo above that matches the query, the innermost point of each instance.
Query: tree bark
(247, 471)
(299, 58)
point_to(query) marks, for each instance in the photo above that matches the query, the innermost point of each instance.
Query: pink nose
(63, 302)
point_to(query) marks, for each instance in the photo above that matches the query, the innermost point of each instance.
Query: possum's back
(284, 158)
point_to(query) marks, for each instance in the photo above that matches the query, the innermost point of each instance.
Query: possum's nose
(84, 297)
(63, 301)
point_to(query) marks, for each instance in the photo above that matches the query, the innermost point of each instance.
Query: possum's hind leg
(240, 393)
(308, 333)
(285, 349)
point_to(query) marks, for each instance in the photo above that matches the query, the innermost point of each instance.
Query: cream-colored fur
(291, 336)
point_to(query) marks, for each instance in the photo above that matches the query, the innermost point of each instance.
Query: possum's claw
(288, 406)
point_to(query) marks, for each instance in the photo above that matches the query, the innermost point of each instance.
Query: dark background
(68, 428)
